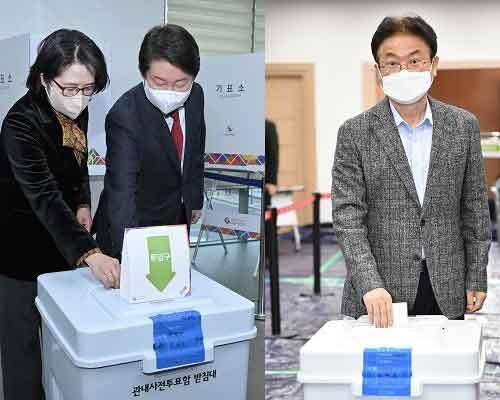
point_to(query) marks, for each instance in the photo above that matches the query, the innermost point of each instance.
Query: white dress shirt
(417, 143)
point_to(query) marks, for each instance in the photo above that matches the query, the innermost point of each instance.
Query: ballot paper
(155, 264)
(399, 314)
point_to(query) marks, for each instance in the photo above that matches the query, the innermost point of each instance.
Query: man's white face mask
(166, 100)
(407, 87)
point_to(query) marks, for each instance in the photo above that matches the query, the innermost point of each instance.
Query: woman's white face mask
(407, 87)
(71, 107)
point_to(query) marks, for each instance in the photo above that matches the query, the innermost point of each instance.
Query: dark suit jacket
(272, 153)
(41, 187)
(144, 185)
(381, 225)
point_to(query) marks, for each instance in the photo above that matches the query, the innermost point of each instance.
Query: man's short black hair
(171, 43)
(414, 25)
(60, 50)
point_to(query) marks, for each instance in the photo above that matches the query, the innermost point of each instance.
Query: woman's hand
(106, 269)
(84, 217)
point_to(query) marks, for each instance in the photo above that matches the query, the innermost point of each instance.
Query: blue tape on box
(387, 372)
(178, 339)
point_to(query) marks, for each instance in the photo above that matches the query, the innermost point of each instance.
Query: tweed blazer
(381, 225)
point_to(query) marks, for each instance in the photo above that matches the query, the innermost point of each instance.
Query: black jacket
(41, 187)
(272, 153)
(144, 185)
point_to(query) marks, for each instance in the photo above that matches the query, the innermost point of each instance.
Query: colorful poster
(228, 221)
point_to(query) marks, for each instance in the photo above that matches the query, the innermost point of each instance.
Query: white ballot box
(97, 345)
(429, 358)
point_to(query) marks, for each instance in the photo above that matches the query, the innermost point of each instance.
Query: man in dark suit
(271, 173)
(155, 135)
(272, 159)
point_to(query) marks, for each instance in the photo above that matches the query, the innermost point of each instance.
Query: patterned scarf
(73, 137)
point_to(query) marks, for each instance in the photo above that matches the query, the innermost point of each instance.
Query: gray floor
(303, 314)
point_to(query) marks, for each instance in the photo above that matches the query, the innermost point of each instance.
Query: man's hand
(475, 300)
(195, 216)
(84, 217)
(378, 302)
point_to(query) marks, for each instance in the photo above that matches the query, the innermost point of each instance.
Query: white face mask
(72, 107)
(407, 87)
(166, 100)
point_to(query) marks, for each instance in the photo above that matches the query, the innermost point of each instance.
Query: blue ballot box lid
(398, 361)
(97, 328)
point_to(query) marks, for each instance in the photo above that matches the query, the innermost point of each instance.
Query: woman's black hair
(60, 50)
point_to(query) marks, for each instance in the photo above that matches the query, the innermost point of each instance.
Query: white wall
(335, 35)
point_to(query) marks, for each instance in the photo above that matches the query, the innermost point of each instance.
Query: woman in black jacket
(45, 216)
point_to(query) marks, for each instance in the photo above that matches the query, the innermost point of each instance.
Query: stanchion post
(272, 237)
(316, 244)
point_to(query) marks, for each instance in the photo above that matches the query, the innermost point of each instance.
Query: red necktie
(177, 133)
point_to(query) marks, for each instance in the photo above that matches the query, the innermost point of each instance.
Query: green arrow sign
(160, 262)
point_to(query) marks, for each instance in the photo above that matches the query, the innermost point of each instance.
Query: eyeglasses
(70, 91)
(414, 64)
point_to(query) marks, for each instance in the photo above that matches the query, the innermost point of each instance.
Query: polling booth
(227, 244)
(182, 324)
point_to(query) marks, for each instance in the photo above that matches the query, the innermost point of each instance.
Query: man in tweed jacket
(409, 198)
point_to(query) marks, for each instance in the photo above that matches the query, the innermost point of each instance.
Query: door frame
(306, 73)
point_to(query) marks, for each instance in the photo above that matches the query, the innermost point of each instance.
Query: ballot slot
(117, 307)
